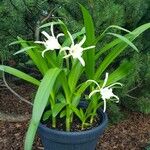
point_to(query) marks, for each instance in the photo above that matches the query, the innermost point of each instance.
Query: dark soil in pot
(75, 126)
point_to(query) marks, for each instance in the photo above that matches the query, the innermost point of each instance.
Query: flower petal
(44, 52)
(93, 92)
(95, 83)
(90, 47)
(81, 61)
(82, 41)
(117, 83)
(39, 42)
(117, 98)
(46, 34)
(71, 38)
(59, 35)
(105, 81)
(52, 30)
(67, 56)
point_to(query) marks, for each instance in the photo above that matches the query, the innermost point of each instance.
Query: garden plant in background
(68, 63)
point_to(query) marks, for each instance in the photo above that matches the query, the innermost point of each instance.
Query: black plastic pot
(84, 140)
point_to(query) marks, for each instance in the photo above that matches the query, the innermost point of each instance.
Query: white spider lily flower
(76, 50)
(51, 43)
(105, 91)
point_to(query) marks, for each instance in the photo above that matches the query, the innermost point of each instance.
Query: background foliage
(22, 18)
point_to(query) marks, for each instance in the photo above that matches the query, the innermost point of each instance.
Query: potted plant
(71, 73)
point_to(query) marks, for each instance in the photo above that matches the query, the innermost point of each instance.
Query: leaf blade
(40, 102)
(24, 49)
(118, 48)
(57, 108)
(123, 38)
(19, 74)
(90, 37)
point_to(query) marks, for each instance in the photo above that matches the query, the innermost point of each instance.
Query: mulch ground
(131, 134)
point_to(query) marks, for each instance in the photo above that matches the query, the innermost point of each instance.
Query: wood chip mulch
(131, 134)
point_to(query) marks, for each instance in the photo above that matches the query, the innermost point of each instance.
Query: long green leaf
(77, 112)
(112, 26)
(116, 50)
(74, 76)
(40, 102)
(79, 91)
(107, 47)
(65, 86)
(37, 58)
(75, 35)
(120, 28)
(90, 36)
(19, 74)
(131, 37)
(46, 115)
(17, 42)
(123, 38)
(24, 49)
(123, 70)
(57, 108)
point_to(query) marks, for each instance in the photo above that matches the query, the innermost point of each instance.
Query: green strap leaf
(17, 42)
(63, 80)
(120, 28)
(19, 74)
(122, 71)
(74, 76)
(112, 26)
(116, 50)
(24, 49)
(115, 42)
(123, 38)
(107, 47)
(63, 113)
(57, 108)
(40, 103)
(46, 115)
(37, 58)
(77, 112)
(90, 37)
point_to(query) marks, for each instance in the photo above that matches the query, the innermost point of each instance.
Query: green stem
(54, 122)
(91, 120)
(92, 117)
(82, 127)
(67, 124)
(67, 119)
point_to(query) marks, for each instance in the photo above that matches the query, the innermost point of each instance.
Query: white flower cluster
(75, 50)
(105, 91)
